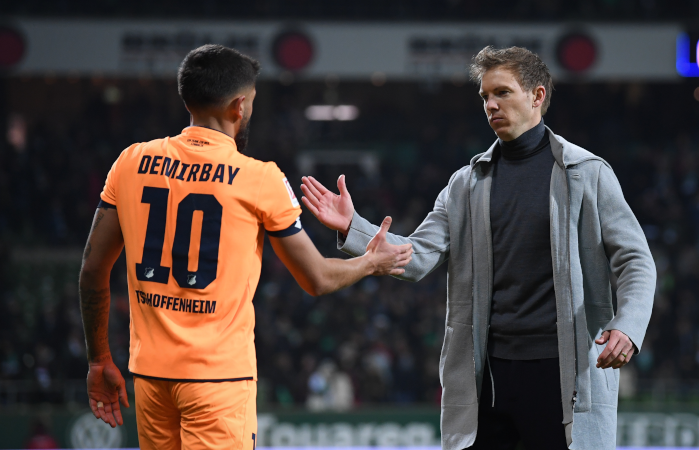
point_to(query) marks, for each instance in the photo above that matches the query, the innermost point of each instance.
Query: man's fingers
(396, 272)
(315, 191)
(385, 225)
(627, 351)
(311, 196)
(341, 186)
(614, 355)
(618, 352)
(93, 407)
(618, 344)
(123, 397)
(404, 259)
(602, 339)
(611, 344)
(606, 357)
(403, 262)
(622, 360)
(406, 255)
(318, 186)
(110, 415)
(310, 206)
(380, 235)
(629, 355)
(103, 414)
(117, 413)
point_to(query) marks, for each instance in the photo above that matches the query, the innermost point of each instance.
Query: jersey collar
(214, 136)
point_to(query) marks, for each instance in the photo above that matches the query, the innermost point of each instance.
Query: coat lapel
(565, 204)
(481, 181)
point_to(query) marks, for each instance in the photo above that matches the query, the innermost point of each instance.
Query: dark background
(384, 334)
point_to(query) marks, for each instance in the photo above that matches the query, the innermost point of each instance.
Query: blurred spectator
(40, 437)
(329, 389)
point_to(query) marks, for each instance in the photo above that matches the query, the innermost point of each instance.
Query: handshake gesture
(336, 211)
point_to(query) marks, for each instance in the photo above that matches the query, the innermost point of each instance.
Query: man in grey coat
(533, 229)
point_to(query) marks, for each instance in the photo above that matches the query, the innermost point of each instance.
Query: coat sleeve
(629, 258)
(430, 240)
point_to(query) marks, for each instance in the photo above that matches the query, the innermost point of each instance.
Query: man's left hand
(618, 352)
(106, 389)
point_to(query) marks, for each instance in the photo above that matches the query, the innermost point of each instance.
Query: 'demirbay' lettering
(177, 170)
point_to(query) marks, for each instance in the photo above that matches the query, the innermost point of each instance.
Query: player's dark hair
(529, 70)
(211, 74)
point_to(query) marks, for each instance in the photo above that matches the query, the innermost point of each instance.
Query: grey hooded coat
(593, 233)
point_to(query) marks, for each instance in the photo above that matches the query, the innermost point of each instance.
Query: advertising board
(360, 51)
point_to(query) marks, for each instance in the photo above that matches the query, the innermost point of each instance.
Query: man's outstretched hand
(387, 259)
(332, 210)
(105, 389)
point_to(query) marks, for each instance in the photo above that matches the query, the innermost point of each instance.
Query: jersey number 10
(150, 269)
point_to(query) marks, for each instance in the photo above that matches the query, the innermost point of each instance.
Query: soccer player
(191, 211)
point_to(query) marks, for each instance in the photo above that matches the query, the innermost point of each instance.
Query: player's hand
(333, 211)
(618, 352)
(387, 259)
(105, 389)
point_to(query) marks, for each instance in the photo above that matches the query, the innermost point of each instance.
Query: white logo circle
(88, 432)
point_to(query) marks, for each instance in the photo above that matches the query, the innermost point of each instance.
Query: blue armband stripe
(103, 204)
(292, 230)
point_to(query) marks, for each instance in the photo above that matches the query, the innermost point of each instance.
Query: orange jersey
(193, 211)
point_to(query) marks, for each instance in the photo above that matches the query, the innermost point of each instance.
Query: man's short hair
(211, 74)
(529, 70)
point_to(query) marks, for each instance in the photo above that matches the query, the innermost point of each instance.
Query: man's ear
(539, 96)
(236, 107)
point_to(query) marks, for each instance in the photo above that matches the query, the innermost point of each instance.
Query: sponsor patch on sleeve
(292, 196)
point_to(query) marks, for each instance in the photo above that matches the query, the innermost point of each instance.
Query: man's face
(241, 138)
(511, 111)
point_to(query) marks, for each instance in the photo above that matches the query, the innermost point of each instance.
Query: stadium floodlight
(345, 112)
(330, 112)
(319, 112)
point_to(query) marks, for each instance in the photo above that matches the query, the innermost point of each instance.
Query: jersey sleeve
(108, 197)
(278, 208)
(109, 193)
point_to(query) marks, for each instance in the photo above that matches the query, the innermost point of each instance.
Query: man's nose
(491, 105)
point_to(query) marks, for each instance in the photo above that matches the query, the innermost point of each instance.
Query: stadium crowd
(375, 342)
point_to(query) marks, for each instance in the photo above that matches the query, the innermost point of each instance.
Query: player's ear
(236, 107)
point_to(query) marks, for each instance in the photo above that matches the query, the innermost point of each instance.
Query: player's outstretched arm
(332, 210)
(318, 275)
(105, 385)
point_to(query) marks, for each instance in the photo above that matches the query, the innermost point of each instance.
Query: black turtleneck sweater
(523, 312)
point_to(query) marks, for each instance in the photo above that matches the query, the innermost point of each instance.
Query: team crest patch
(191, 279)
(292, 196)
(149, 272)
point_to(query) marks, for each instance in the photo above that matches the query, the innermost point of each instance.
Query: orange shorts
(173, 415)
